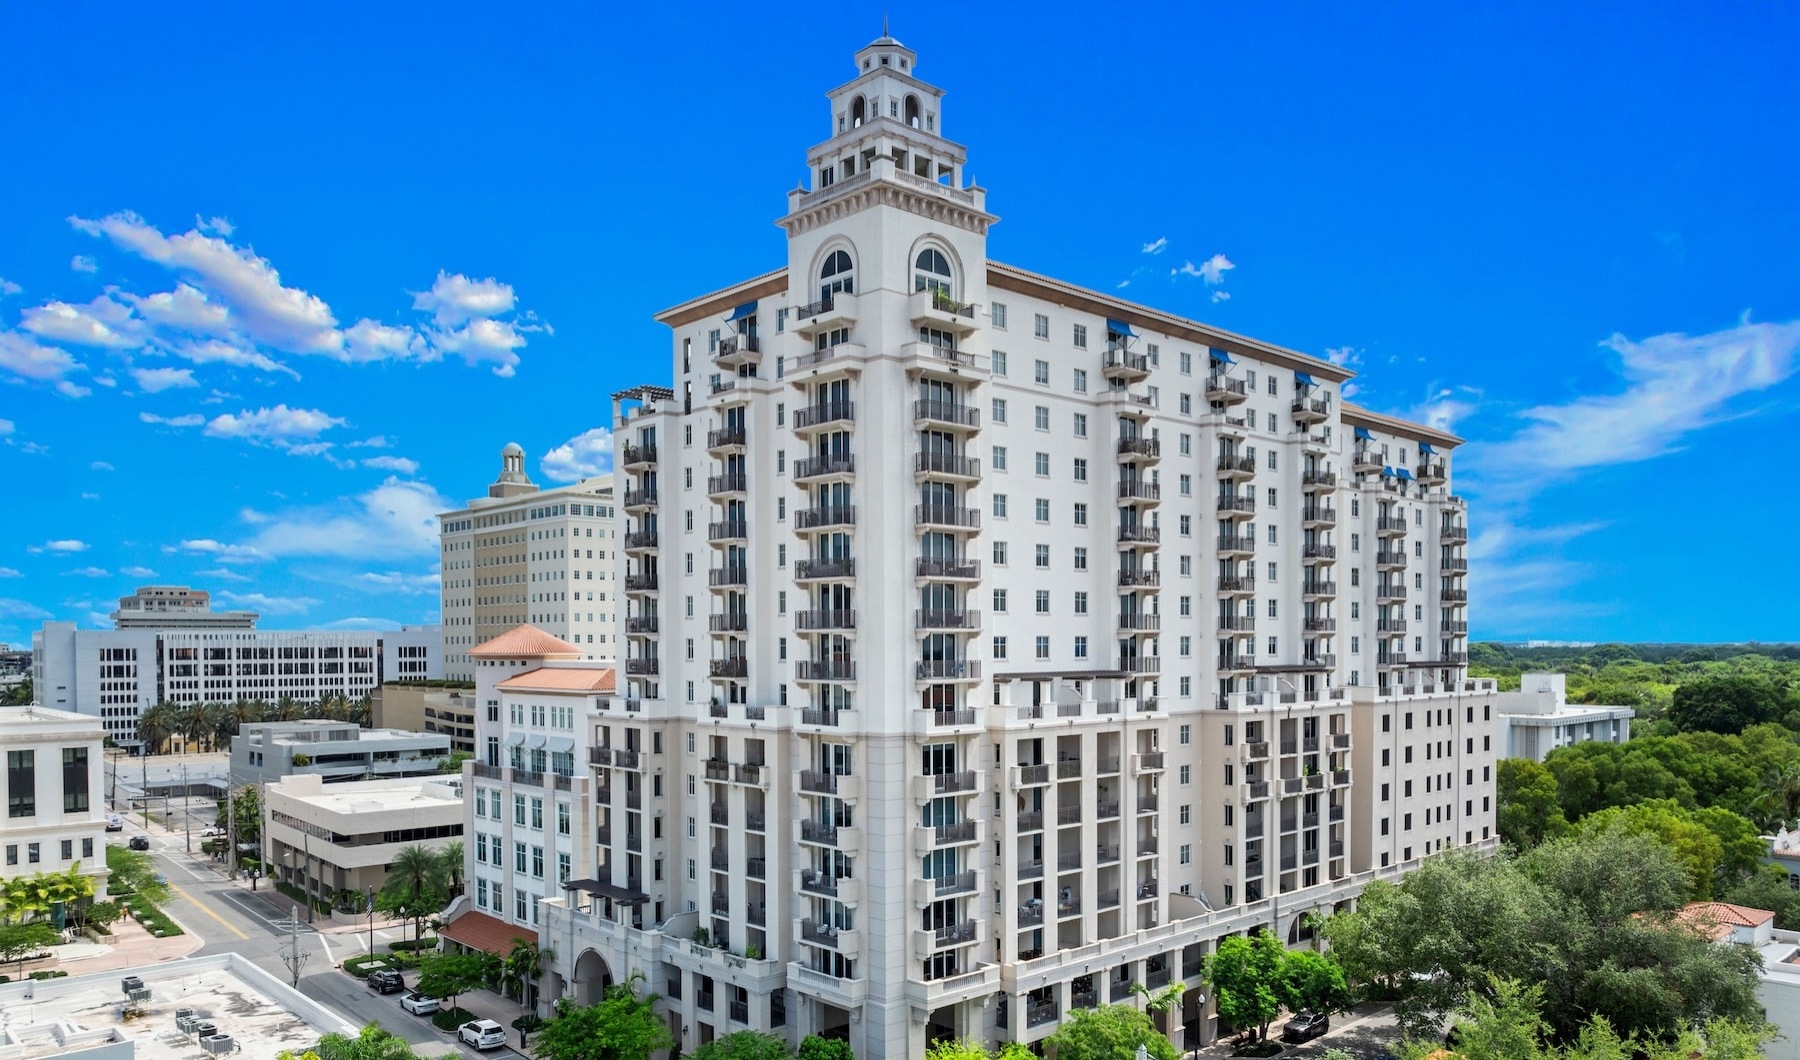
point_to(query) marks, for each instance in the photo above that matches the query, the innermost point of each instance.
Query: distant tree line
(212, 725)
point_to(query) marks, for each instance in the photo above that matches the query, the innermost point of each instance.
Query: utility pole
(370, 899)
(291, 954)
(187, 809)
(306, 860)
(230, 828)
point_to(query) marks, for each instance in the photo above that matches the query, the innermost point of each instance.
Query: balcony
(1390, 526)
(824, 414)
(1031, 776)
(825, 670)
(726, 438)
(937, 618)
(1390, 560)
(950, 670)
(1147, 762)
(1390, 625)
(947, 569)
(1454, 596)
(1318, 588)
(1139, 579)
(1121, 364)
(1452, 532)
(730, 482)
(1236, 545)
(641, 582)
(935, 309)
(1256, 751)
(1038, 1013)
(820, 570)
(639, 500)
(1368, 458)
(813, 881)
(835, 310)
(1223, 390)
(737, 668)
(1229, 624)
(819, 832)
(824, 515)
(738, 351)
(1139, 622)
(836, 357)
(946, 516)
(946, 413)
(1318, 515)
(1237, 505)
(1140, 491)
(831, 716)
(1319, 625)
(1390, 658)
(1237, 584)
(1314, 479)
(834, 618)
(641, 541)
(1390, 592)
(642, 667)
(1323, 661)
(1032, 870)
(1237, 662)
(950, 783)
(1144, 664)
(947, 835)
(728, 530)
(826, 935)
(723, 577)
(642, 625)
(1454, 566)
(931, 464)
(728, 623)
(1310, 410)
(1149, 536)
(1432, 473)
(1455, 629)
(817, 468)
(636, 457)
(816, 782)
(1236, 468)
(1140, 448)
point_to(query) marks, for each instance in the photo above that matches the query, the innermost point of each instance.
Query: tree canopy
(747, 1045)
(621, 1026)
(1110, 1032)
(1245, 972)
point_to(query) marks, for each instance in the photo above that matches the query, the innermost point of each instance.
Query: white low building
(328, 838)
(55, 809)
(1539, 718)
(266, 751)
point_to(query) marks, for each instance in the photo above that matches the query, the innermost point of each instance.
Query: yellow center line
(229, 926)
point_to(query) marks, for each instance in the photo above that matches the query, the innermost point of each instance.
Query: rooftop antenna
(884, 22)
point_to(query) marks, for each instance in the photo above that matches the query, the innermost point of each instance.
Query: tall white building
(115, 674)
(521, 555)
(993, 644)
(55, 806)
(176, 607)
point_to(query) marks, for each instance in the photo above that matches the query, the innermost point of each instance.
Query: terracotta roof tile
(525, 642)
(564, 679)
(485, 933)
(1719, 918)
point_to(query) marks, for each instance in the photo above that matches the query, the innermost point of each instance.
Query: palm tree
(287, 709)
(373, 1043)
(155, 725)
(1159, 1004)
(450, 863)
(360, 712)
(194, 723)
(1784, 791)
(415, 874)
(524, 965)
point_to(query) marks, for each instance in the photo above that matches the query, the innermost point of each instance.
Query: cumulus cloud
(269, 605)
(400, 582)
(1157, 245)
(222, 574)
(90, 572)
(218, 351)
(22, 610)
(588, 453)
(101, 465)
(219, 550)
(1444, 407)
(214, 225)
(1221, 296)
(396, 519)
(369, 341)
(1344, 356)
(64, 546)
(9, 572)
(24, 356)
(157, 380)
(399, 464)
(137, 572)
(83, 263)
(276, 425)
(7, 287)
(1212, 270)
(455, 300)
(377, 441)
(485, 340)
(191, 419)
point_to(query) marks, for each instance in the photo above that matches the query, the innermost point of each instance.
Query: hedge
(51, 974)
(364, 963)
(429, 942)
(154, 920)
(451, 1018)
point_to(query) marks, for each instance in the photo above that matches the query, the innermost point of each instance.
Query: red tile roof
(563, 679)
(485, 933)
(526, 642)
(1719, 919)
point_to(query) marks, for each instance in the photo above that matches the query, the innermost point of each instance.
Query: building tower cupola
(513, 479)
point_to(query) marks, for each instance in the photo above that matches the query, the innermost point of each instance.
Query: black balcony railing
(815, 569)
(947, 515)
(819, 466)
(817, 415)
(825, 515)
(937, 463)
(954, 413)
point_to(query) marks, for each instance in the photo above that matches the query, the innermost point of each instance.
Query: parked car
(210, 832)
(139, 842)
(385, 981)
(1305, 1027)
(115, 823)
(482, 1034)
(418, 1004)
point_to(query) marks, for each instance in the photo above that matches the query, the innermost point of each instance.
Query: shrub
(55, 973)
(364, 963)
(429, 942)
(154, 920)
(448, 1019)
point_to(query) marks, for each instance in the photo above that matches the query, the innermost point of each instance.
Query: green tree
(1726, 702)
(1530, 810)
(373, 1043)
(244, 813)
(1246, 974)
(622, 1026)
(522, 966)
(755, 1045)
(1312, 982)
(155, 725)
(19, 941)
(454, 763)
(134, 872)
(813, 1047)
(1768, 889)
(1110, 1032)
(450, 866)
(447, 975)
(415, 883)
(18, 695)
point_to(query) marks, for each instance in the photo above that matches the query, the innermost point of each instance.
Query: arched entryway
(592, 977)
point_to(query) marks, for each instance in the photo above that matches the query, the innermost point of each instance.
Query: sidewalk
(129, 946)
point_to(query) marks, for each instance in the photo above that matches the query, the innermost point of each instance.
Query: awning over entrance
(601, 889)
(479, 931)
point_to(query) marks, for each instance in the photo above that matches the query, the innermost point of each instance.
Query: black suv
(386, 981)
(1305, 1027)
(139, 842)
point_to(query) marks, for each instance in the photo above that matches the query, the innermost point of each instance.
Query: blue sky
(275, 287)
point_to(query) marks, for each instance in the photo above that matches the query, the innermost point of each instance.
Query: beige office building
(330, 838)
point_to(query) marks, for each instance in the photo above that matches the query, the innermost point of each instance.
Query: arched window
(932, 272)
(838, 274)
(858, 111)
(912, 111)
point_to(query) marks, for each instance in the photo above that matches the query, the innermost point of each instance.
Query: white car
(482, 1034)
(418, 1004)
(208, 833)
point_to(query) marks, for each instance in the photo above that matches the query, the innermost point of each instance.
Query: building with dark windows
(55, 807)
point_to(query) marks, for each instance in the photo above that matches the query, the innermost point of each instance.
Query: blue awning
(515, 739)
(1363, 433)
(1403, 474)
(1387, 472)
(1219, 355)
(1303, 379)
(1120, 327)
(741, 312)
(1425, 449)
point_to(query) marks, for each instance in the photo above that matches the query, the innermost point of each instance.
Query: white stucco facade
(55, 815)
(1539, 718)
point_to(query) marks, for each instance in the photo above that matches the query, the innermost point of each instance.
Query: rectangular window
(999, 363)
(1081, 647)
(1043, 465)
(1080, 336)
(1081, 513)
(999, 410)
(1043, 557)
(75, 779)
(1041, 418)
(1042, 647)
(1040, 373)
(1081, 380)
(1080, 558)
(1040, 326)
(1042, 511)
(997, 314)
(21, 784)
(1043, 601)
(999, 458)
(999, 505)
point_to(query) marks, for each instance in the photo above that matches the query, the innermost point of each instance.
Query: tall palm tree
(194, 724)
(288, 709)
(360, 711)
(155, 725)
(450, 862)
(524, 966)
(1784, 792)
(415, 875)
(1160, 1003)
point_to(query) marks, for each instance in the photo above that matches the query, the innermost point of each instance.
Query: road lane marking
(228, 925)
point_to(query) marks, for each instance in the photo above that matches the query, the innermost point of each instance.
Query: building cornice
(1357, 416)
(724, 299)
(885, 186)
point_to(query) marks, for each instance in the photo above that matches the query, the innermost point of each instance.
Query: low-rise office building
(55, 809)
(268, 751)
(330, 838)
(1539, 718)
(447, 708)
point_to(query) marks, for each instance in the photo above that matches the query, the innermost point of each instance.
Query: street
(230, 918)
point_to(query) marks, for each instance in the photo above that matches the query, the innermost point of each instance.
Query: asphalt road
(256, 925)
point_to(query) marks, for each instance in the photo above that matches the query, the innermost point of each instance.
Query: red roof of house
(1719, 919)
(525, 642)
(485, 933)
(563, 679)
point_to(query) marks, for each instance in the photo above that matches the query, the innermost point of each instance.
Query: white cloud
(398, 464)
(22, 610)
(157, 380)
(137, 572)
(186, 309)
(456, 299)
(485, 340)
(218, 351)
(90, 496)
(269, 605)
(9, 572)
(1122, 284)
(101, 465)
(65, 546)
(7, 287)
(1350, 390)
(588, 453)
(399, 582)
(91, 572)
(368, 341)
(312, 449)
(379, 441)
(222, 574)
(1221, 296)
(83, 263)
(7, 427)
(1157, 245)
(191, 419)
(71, 390)
(1344, 356)
(24, 356)
(277, 425)
(1445, 407)
(215, 225)
(219, 550)
(397, 518)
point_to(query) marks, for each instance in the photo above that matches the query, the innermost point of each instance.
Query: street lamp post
(306, 855)
(187, 814)
(370, 899)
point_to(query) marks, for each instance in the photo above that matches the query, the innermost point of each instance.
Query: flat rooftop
(369, 796)
(70, 1017)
